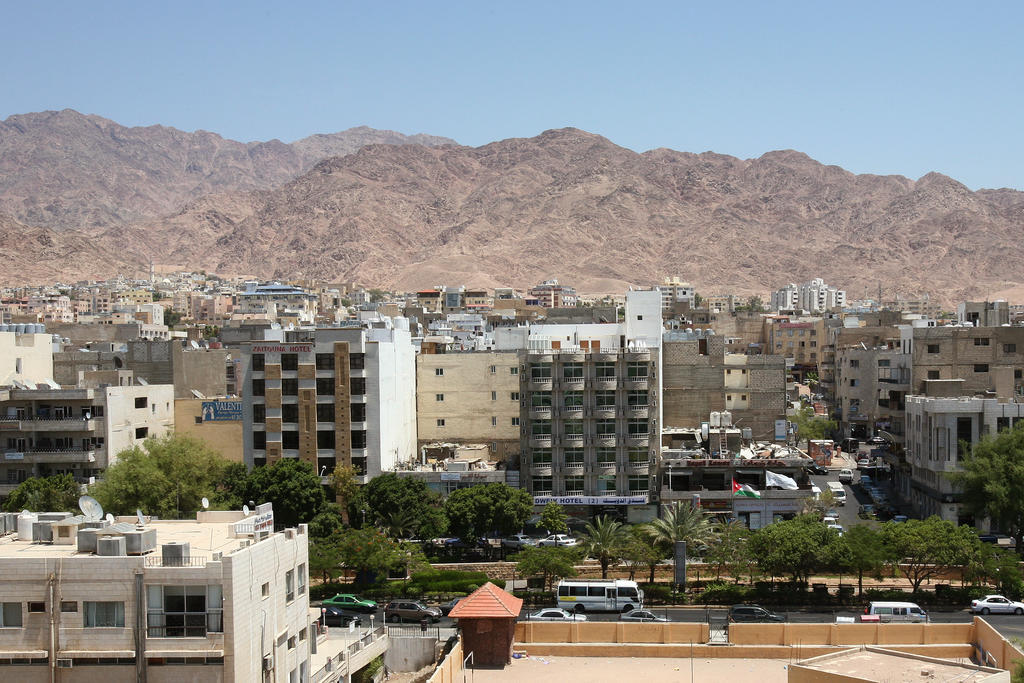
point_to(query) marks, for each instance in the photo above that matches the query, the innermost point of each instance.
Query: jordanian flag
(744, 490)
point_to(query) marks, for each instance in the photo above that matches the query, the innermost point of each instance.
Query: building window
(606, 427)
(515, 421)
(933, 374)
(290, 413)
(439, 372)
(184, 611)
(325, 412)
(981, 367)
(357, 412)
(10, 615)
(36, 607)
(540, 371)
(258, 361)
(573, 457)
(438, 397)
(140, 402)
(638, 483)
(854, 363)
(357, 361)
(359, 439)
(981, 341)
(638, 428)
(103, 614)
(325, 438)
(637, 370)
(540, 399)
(573, 400)
(541, 456)
(494, 421)
(542, 484)
(1009, 348)
(605, 456)
(541, 427)
(494, 395)
(357, 386)
(259, 387)
(259, 413)
(440, 422)
(638, 455)
(853, 382)
(325, 361)
(290, 387)
(265, 590)
(141, 432)
(259, 441)
(573, 427)
(572, 371)
(289, 585)
(325, 386)
(574, 485)
(290, 440)
(68, 606)
(604, 399)
(514, 396)
(1017, 374)
(289, 361)
(604, 370)
(494, 369)
(933, 348)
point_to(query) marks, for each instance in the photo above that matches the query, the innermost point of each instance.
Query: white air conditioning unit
(65, 663)
(268, 662)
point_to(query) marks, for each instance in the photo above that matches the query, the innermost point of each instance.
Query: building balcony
(607, 468)
(573, 411)
(44, 424)
(572, 381)
(638, 440)
(604, 355)
(605, 383)
(540, 413)
(607, 412)
(573, 468)
(540, 440)
(637, 355)
(637, 411)
(605, 440)
(572, 355)
(45, 456)
(541, 469)
(639, 467)
(574, 492)
(635, 383)
(539, 384)
(572, 438)
(542, 492)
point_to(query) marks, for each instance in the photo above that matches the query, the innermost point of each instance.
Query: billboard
(222, 411)
(591, 500)
(780, 430)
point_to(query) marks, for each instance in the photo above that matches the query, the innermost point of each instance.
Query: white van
(599, 595)
(895, 612)
(838, 492)
(845, 476)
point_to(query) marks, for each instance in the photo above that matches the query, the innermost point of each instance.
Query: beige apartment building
(221, 599)
(25, 357)
(977, 355)
(215, 421)
(469, 398)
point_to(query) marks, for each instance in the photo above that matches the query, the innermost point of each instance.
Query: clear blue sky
(875, 87)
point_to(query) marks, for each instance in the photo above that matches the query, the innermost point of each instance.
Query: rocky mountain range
(565, 204)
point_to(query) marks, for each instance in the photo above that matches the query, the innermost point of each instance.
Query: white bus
(838, 491)
(599, 595)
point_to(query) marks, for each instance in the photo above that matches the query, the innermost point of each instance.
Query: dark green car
(351, 602)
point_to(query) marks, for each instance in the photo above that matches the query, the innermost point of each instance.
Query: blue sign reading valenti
(222, 411)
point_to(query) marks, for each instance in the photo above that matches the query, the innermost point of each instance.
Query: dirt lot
(624, 669)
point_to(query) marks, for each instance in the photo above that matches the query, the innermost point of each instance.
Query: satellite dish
(110, 518)
(90, 507)
(141, 517)
(206, 503)
(245, 510)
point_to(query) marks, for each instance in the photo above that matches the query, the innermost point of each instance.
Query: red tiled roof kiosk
(487, 618)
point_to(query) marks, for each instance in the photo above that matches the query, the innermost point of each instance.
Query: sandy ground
(544, 669)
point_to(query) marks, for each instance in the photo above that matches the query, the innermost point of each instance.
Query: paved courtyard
(544, 669)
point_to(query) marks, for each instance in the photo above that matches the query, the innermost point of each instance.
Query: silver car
(561, 540)
(556, 614)
(642, 615)
(996, 604)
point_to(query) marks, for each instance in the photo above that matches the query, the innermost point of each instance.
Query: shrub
(722, 593)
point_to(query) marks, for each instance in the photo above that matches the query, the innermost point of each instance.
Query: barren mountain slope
(67, 170)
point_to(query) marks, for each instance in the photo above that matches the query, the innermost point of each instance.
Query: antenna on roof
(90, 507)
(141, 517)
(245, 510)
(110, 518)
(205, 502)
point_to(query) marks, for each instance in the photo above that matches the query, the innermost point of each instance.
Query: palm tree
(603, 541)
(399, 523)
(682, 523)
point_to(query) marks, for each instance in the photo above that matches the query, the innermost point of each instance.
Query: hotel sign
(282, 348)
(591, 500)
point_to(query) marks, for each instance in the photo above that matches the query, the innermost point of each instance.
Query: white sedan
(642, 615)
(560, 540)
(556, 614)
(996, 604)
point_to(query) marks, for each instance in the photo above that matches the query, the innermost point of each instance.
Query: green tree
(553, 518)
(377, 295)
(58, 493)
(640, 551)
(368, 552)
(809, 426)
(346, 488)
(550, 562)
(487, 509)
(991, 479)
(603, 540)
(399, 524)
(925, 548)
(231, 491)
(755, 304)
(731, 550)
(325, 557)
(390, 492)
(681, 522)
(171, 318)
(865, 554)
(795, 548)
(327, 522)
(166, 476)
(292, 486)
(825, 501)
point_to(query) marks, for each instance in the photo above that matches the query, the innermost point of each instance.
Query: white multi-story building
(814, 296)
(220, 599)
(332, 396)
(935, 428)
(674, 291)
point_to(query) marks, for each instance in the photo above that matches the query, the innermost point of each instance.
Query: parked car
(815, 468)
(447, 607)
(739, 614)
(865, 482)
(864, 462)
(838, 528)
(996, 604)
(878, 440)
(556, 614)
(845, 476)
(886, 612)
(558, 540)
(401, 610)
(518, 542)
(335, 616)
(899, 518)
(829, 520)
(642, 615)
(351, 602)
(866, 511)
